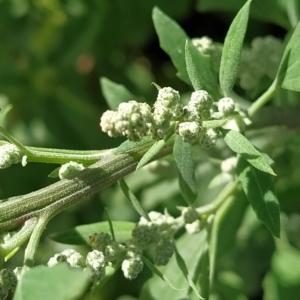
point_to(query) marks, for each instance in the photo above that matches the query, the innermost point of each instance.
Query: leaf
(292, 74)
(110, 223)
(183, 158)
(213, 123)
(260, 191)
(172, 40)
(114, 93)
(190, 247)
(200, 71)
(59, 283)
(80, 234)
(127, 146)
(151, 153)
(133, 200)
(185, 272)
(240, 145)
(158, 273)
(232, 48)
(54, 173)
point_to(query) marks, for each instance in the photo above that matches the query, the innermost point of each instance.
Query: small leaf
(80, 234)
(59, 282)
(240, 145)
(133, 200)
(114, 93)
(127, 146)
(200, 71)
(54, 173)
(158, 273)
(185, 272)
(232, 48)
(183, 158)
(172, 40)
(213, 123)
(151, 153)
(291, 52)
(260, 191)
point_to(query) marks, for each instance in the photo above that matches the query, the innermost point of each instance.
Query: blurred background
(53, 54)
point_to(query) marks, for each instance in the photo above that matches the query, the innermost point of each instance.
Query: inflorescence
(136, 120)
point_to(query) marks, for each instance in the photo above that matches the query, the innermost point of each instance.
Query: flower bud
(226, 106)
(69, 170)
(9, 154)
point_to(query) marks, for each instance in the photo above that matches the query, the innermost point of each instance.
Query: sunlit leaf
(240, 145)
(172, 40)
(231, 53)
(80, 234)
(260, 191)
(59, 283)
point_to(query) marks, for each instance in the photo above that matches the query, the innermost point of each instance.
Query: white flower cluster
(133, 264)
(9, 154)
(69, 170)
(262, 60)
(168, 110)
(95, 265)
(132, 119)
(72, 257)
(135, 120)
(8, 283)
(191, 220)
(208, 47)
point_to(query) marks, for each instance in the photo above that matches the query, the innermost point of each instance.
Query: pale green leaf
(240, 145)
(114, 93)
(232, 48)
(213, 123)
(200, 71)
(260, 191)
(172, 40)
(133, 200)
(60, 283)
(80, 234)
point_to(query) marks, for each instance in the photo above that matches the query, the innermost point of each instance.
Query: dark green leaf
(80, 234)
(292, 75)
(260, 191)
(231, 52)
(200, 71)
(185, 272)
(133, 200)
(240, 145)
(158, 273)
(183, 158)
(151, 153)
(190, 247)
(172, 40)
(114, 93)
(59, 283)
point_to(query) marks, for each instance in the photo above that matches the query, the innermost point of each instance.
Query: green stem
(263, 99)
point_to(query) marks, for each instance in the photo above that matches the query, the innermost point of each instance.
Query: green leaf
(172, 40)
(232, 48)
(133, 200)
(292, 75)
(273, 11)
(127, 146)
(200, 71)
(183, 158)
(114, 93)
(185, 272)
(151, 153)
(260, 191)
(240, 145)
(213, 123)
(190, 247)
(59, 283)
(110, 223)
(80, 234)
(155, 271)
(54, 173)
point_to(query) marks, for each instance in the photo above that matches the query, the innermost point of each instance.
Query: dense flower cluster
(135, 120)
(9, 154)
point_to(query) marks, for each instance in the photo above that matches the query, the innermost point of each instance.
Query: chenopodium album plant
(212, 114)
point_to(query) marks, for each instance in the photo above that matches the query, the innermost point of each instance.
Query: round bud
(9, 154)
(226, 106)
(69, 170)
(163, 251)
(132, 267)
(189, 131)
(95, 265)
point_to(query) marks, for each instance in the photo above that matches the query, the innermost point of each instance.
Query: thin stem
(263, 99)
(212, 207)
